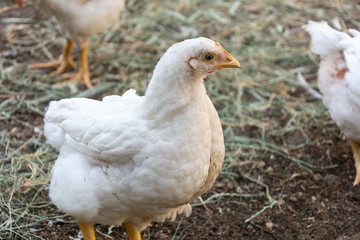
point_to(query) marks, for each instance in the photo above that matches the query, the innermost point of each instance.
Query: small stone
(270, 170)
(230, 185)
(269, 225)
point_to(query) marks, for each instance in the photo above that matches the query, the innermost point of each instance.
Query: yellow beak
(226, 60)
(230, 62)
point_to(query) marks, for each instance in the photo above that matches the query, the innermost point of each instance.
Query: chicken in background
(339, 80)
(79, 19)
(133, 160)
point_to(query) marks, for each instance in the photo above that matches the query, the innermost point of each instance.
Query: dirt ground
(320, 205)
(311, 203)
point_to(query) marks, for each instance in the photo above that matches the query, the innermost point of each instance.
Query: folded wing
(104, 130)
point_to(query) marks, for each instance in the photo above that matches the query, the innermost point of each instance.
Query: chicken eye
(208, 57)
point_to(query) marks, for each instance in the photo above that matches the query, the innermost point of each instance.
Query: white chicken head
(211, 58)
(198, 57)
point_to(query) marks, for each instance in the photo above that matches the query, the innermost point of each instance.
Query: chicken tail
(325, 40)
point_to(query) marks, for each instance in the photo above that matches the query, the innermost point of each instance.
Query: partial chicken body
(79, 19)
(133, 159)
(339, 80)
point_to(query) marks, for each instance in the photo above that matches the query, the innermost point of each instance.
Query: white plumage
(79, 19)
(339, 79)
(141, 159)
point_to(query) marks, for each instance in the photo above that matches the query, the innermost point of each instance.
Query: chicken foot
(355, 146)
(65, 61)
(83, 74)
(133, 233)
(87, 231)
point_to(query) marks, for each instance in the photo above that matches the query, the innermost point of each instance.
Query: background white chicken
(79, 19)
(133, 159)
(339, 80)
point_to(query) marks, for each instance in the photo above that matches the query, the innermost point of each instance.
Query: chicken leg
(83, 74)
(65, 61)
(355, 146)
(133, 233)
(89, 234)
(87, 231)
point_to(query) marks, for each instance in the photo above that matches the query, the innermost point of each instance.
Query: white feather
(79, 19)
(138, 159)
(339, 74)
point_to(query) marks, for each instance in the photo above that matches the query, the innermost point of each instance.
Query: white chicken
(339, 80)
(133, 160)
(79, 19)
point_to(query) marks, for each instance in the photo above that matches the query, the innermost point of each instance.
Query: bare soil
(317, 204)
(311, 203)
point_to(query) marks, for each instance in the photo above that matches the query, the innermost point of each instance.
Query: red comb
(218, 44)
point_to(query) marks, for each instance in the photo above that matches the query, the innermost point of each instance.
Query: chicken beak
(20, 3)
(230, 62)
(227, 61)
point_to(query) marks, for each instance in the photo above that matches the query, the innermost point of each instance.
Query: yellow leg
(87, 231)
(133, 233)
(355, 146)
(65, 61)
(83, 74)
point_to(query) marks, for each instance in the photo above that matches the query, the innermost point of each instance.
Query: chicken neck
(171, 90)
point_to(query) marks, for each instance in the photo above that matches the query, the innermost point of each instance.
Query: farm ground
(288, 170)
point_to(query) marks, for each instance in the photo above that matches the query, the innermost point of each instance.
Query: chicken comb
(218, 44)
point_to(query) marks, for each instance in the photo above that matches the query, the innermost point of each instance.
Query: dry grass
(265, 114)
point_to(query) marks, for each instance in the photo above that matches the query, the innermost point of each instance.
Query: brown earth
(311, 203)
(317, 204)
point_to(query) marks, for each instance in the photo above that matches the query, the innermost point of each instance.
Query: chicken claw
(65, 61)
